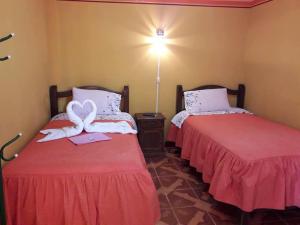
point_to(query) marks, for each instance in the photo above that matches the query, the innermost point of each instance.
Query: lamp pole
(157, 84)
(159, 45)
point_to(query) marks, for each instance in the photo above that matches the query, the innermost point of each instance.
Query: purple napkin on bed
(89, 138)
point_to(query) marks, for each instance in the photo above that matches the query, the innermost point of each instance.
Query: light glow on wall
(158, 43)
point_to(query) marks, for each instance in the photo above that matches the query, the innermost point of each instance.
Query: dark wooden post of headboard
(125, 96)
(179, 97)
(241, 96)
(53, 100)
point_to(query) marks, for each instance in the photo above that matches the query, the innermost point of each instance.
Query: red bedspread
(249, 162)
(58, 183)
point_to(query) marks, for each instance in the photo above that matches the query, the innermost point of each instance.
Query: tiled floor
(184, 199)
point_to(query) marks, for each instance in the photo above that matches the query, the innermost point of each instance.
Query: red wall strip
(213, 3)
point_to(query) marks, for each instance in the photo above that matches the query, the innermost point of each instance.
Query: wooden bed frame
(239, 93)
(55, 95)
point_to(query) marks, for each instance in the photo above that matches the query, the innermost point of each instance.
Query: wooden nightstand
(151, 133)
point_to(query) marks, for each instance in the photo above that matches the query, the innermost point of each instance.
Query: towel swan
(86, 124)
(107, 127)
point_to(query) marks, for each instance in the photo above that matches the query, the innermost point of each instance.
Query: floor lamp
(159, 45)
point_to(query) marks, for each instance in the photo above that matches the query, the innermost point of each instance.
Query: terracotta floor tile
(224, 214)
(204, 196)
(225, 220)
(193, 176)
(182, 198)
(226, 208)
(196, 183)
(166, 171)
(171, 183)
(152, 172)
(177, 161)
(184, 168)
(167, 217)
(156, 182)
(181, 188)
(164, 203)
(192, 216)
(161, 160)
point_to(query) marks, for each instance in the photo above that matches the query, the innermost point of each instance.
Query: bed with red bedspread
(101, 183)
(249, 162)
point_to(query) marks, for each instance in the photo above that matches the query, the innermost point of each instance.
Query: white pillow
(107, 103)
(206, 100)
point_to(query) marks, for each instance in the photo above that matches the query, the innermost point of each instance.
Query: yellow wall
(76, 43)
(24, 79)
(104, 44)
(272, 61)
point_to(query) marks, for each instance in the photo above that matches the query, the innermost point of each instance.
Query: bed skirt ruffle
(127, 198)
(272, 183)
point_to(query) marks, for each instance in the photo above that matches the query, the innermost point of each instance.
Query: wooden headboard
(56, 95)
(239, 93)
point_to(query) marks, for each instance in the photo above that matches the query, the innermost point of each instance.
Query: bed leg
(245, 217)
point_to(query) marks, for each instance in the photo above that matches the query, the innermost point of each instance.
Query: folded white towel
(53, 134)
(90, 117)
(121, 127)
(78, 128)
(105, 127)
(87, 124)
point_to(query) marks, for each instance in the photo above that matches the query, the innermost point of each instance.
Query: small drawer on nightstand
(152, 124)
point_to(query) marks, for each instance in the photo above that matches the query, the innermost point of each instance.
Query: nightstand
(151, 133)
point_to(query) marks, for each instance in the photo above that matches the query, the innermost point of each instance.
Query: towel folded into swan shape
(107, 127)
(86, 124)
(53, 134)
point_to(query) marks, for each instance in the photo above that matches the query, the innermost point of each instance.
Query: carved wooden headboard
(55, 95)
(239, 93)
